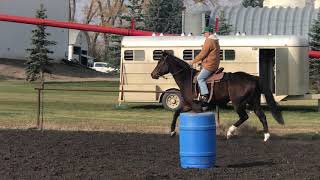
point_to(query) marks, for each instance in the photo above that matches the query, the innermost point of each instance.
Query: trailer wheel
(171, 100)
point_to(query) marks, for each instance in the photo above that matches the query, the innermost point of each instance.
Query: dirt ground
(31, 154)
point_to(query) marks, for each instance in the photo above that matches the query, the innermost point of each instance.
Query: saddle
(217, 76)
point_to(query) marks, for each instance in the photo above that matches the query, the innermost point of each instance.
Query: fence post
(38, 108)
(41, 102)
(318, 105)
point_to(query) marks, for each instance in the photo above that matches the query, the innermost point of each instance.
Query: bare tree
(90, 12)
(104, 13)
(109, 11)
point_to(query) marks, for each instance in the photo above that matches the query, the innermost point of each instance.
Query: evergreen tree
(134, 8)
(314, 34)
(38, 61)
(252, 3)
(315, 74)
(164, 16)
(224, 27)
(314, 43)
(114, 56)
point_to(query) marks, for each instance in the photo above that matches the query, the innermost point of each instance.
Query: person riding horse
(210, 61)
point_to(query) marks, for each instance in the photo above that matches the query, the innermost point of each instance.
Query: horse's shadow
(251, 164)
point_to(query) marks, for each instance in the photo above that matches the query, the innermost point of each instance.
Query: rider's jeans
(203, 75)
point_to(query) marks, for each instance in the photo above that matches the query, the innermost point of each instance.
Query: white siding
(15, 38)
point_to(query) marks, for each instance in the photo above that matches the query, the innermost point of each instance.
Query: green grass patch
(100, 110)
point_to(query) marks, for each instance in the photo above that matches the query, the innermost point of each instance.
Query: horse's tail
(274, 108)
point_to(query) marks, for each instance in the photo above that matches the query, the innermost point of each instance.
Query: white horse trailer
(280, 61)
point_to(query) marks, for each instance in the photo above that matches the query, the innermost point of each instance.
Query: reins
(181, 70)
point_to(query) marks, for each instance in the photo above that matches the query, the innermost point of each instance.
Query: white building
(78, 48)
(15, 38)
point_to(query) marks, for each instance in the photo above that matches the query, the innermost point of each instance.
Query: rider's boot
(204, 99)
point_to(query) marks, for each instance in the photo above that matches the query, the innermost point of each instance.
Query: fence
(40, 104)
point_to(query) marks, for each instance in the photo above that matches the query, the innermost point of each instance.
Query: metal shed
(258, 21)
(262, 21)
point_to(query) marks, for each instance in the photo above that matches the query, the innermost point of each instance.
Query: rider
(210, 60)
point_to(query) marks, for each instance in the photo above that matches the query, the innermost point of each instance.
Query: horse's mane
(180, 62)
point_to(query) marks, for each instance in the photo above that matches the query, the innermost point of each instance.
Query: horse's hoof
(266, 137)
(173, 133)
(229, 135)
(231, 130)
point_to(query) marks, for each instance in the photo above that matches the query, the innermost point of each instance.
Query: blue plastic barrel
(197, 140)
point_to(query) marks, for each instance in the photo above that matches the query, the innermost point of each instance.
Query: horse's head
(162, 67)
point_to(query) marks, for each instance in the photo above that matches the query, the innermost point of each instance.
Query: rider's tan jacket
(210, 54)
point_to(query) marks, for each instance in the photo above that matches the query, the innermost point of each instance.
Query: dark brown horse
(240, 88)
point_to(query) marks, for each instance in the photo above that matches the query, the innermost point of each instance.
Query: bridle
(182, 69)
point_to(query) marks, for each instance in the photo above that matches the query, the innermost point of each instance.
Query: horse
(242, 89)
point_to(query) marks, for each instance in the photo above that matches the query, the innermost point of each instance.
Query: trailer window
(221, 55)
(229, 55)
(128, 55)
(139, 55)
(136, 55)
(196, 52)
(157, 54)
(190, 54)
(187, 55)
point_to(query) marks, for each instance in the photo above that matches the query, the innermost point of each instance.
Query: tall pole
(217, 25)
(133, 23)
(183, 22)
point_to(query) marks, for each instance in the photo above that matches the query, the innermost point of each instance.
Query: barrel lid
(197, 114)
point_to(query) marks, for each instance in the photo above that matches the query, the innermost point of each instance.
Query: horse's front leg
(174, 122)
(243, 116)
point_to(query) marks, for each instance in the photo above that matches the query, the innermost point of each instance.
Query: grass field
(97, 111)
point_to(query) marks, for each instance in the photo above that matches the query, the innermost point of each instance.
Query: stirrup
(204, 100)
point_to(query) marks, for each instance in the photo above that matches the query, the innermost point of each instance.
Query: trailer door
(281, 71)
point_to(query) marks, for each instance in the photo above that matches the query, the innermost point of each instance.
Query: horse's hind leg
(262, 117)
(243, 116)
(174, 122)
